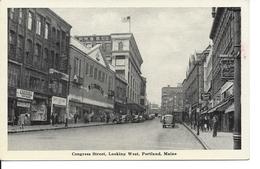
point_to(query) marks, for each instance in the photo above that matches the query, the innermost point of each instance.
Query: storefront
(39, 110)
(58, 108)
(21, 105)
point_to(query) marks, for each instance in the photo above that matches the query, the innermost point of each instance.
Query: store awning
(230, 108)
(135, 106)
(218, 107)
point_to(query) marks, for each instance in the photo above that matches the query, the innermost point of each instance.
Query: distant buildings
(172, 101)
(38, 45)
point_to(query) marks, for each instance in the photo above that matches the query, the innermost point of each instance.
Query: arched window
(120, 46)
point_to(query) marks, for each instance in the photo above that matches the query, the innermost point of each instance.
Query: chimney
(213, 12)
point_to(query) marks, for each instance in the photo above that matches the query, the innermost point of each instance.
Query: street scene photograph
(145, 78)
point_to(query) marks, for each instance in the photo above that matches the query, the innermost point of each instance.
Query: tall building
(172, 101)
(193, 86)
(226, 36)
(122, 52)
(38, 45)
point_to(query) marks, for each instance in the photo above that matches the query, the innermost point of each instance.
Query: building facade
(172, 101)
(226, 36)
(38, 43)
(120, 95)
(122, 52)
(92, 83)
(193, 87)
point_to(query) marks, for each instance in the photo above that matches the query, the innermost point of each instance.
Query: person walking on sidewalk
(215, 125)
(22, 120)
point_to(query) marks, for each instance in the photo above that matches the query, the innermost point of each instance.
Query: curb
(204, 145)
(58, 128)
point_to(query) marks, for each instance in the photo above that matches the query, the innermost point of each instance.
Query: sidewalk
(16, 129)
(223, 141)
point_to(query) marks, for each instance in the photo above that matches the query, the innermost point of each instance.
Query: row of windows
(90, 71)
(41, 27)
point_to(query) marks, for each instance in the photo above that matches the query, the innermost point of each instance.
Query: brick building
(226, 36)
(38, 44)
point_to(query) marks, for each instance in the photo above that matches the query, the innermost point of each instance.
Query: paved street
(148, 135)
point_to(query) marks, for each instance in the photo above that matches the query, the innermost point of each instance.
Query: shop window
(30, 21)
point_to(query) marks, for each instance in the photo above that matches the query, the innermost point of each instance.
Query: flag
(126, 19)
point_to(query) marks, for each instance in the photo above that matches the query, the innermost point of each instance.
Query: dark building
(226, 36)
(38, 44)
(120, 95)
(193, 86)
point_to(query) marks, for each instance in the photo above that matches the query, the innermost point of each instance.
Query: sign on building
(227, 68)
(25, 94)
(205, 96)
(58, 101)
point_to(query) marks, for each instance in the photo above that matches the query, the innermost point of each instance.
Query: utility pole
(237, 78)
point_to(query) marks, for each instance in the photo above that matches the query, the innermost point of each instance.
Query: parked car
(168, 121)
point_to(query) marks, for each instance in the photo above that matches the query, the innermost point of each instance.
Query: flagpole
(129, 25)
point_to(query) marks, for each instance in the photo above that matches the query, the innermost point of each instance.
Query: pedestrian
(55, 119)
(107, 118)
(52, 119)
(215, 125)
(205, 125)
(66, 120)
(75, 118)
(22, 120)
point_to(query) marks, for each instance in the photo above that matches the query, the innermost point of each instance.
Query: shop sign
(205, 96)
(227, 68)
(59, 101)
(23, 104)
(25, 94)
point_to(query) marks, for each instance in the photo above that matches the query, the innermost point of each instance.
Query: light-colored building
(91, 83)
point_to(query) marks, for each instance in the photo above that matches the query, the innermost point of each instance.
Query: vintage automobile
(168, 121)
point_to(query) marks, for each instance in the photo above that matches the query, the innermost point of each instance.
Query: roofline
(219, 12)
(56, 15)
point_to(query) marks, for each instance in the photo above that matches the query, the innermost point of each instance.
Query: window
(77, 66)
(99, 75)
(20, 19)
(53, 33)
(38, 25)
(37, 58)
(45, 59)
(30, 21)
(46, 31)
(57, 57)
(95, 73)
(20, 44)
(91, 70)
(12, 13)
(120, 60)
(87, 68)
(103, 77)
(120, 46)
(11, 45)
(28, 52)
(13, 76)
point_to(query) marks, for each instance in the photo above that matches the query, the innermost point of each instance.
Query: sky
(166, 37)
